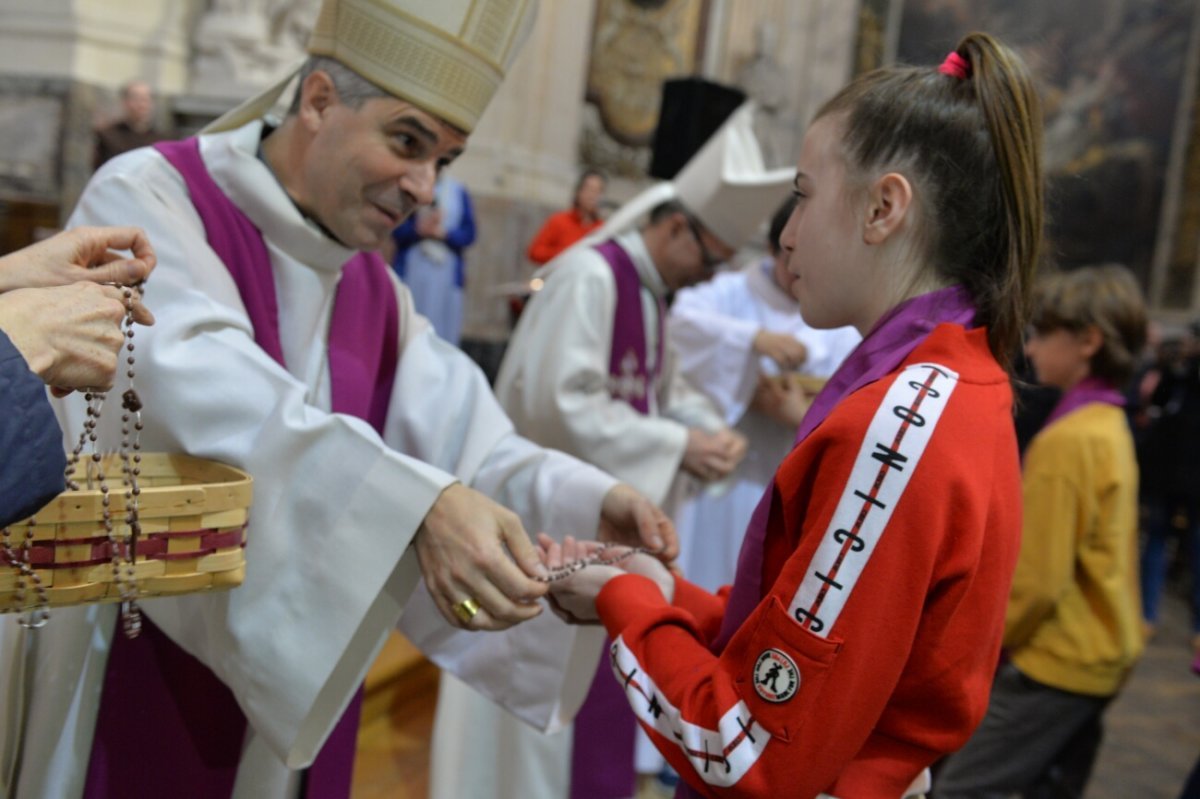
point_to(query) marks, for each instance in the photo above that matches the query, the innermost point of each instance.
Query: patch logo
(776, 678)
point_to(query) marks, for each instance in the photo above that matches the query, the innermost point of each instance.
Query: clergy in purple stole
(167, 725)
(603, 748)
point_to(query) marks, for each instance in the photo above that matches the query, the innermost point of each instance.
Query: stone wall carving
(636, 45)
(242, 46)
(761, 77)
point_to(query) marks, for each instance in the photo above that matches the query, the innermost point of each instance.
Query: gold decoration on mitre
(447, 57)
(725, 185)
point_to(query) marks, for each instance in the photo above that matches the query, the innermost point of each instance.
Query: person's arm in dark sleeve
(32, 460)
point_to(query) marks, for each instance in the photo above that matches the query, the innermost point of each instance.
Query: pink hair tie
(956, 67)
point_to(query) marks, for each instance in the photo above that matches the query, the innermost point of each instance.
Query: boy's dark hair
(778, 222)
(1107, 297)
(972, 149)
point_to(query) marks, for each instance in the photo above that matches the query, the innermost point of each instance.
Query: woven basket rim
(208, 486)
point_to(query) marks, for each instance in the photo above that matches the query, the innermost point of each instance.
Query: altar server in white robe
(347, 515)
(739, 338)
(584, 373)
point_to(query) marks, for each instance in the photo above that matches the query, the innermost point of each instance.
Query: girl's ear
(888, 204)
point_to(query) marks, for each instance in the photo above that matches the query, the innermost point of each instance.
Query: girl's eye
(799, 195)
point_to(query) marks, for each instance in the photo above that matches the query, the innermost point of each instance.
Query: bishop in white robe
(330, 567)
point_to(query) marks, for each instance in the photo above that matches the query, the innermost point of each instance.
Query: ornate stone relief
(242, 46)
(636, 45)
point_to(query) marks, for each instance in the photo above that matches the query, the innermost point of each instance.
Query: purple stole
(167, 726)
(605, 728)
(629, 379)
(1085, 392)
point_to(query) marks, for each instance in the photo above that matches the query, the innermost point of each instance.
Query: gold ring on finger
(466, 610)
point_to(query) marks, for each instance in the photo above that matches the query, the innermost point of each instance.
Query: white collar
(232, 160)
(633, 244)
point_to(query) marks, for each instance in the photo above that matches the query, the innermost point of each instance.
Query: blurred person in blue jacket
(429, 256)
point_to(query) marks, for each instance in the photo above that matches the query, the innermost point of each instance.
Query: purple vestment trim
(167, 726)
(605, 727)
(1085, 392)
(630, 380)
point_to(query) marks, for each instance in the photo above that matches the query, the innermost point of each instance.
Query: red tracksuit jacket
(890, 546)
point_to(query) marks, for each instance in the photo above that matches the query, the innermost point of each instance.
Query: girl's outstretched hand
(573, 597)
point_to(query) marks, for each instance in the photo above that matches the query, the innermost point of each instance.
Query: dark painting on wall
(1112, 76)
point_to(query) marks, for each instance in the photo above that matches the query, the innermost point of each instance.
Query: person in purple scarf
(858, 641)
(1073, 629)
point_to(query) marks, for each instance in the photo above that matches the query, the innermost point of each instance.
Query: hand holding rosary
(123, 553)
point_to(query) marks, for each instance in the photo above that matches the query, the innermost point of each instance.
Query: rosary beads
(598, 558)
(121, 551)
(25, 574)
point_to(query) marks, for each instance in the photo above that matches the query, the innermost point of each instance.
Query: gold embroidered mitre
(447, 57)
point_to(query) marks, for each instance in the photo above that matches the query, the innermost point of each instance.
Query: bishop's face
(367, 169)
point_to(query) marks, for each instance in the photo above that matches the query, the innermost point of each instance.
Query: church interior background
(1120, 78)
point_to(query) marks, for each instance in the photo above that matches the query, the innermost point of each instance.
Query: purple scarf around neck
(881, 352)
(1085, 392)
(167, 726)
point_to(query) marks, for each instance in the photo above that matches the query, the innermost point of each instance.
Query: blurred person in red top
(564, 228)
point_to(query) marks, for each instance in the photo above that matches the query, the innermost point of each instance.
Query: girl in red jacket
(858, 641)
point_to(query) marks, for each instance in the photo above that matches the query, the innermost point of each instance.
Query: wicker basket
(193, 516)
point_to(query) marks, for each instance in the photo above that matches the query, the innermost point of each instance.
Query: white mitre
(447, 57)
(725, 185)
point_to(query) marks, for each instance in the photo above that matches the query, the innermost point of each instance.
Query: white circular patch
(776, 677)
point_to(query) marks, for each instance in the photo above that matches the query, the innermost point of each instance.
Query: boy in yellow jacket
(1072, 629)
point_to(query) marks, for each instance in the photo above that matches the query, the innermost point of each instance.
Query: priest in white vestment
(348, 514)
(572, 379)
